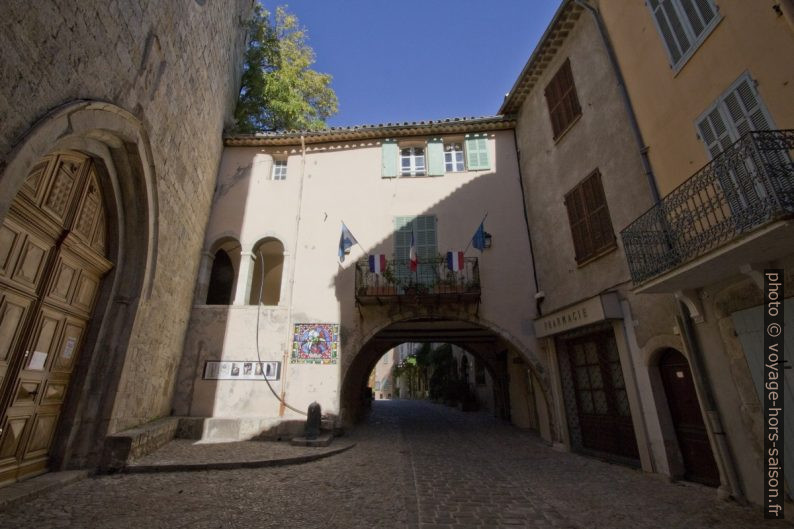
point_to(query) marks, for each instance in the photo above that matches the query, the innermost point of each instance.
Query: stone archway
(115, 145)
(484, 341)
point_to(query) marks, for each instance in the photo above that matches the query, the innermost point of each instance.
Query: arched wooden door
(690, 430)
(52, 260)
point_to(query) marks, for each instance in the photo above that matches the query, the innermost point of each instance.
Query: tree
(279, 90)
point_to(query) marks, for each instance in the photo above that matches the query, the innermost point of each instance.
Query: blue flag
(346, 241)
(478, 241)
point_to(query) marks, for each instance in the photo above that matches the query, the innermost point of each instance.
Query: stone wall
(175, 66)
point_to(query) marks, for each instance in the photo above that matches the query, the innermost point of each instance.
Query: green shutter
(423, 228)
(389, 158)
(435, 157)
(477, 152)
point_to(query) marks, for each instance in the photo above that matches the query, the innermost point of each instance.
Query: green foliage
(279, 89)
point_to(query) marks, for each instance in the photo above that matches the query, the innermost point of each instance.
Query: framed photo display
(241, 370)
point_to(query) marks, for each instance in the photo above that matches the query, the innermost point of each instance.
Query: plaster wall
(338, 182)
(601, 138)
(750, 37)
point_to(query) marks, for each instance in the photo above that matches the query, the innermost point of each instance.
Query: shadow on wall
(501, 322)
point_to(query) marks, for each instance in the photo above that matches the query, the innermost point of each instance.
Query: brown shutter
(562, 100)
(588, 214)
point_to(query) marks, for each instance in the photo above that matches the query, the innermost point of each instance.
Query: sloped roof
(381, 130)
(561, 25)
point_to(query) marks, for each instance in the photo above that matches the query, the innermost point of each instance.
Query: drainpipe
(538, 300)
(646, 162)
(703, 389)
(293, 266)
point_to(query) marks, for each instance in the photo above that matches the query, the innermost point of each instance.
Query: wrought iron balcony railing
(432, 280)
(749, 184)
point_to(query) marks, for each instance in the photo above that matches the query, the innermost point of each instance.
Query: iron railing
(432, 277)
(749, 184)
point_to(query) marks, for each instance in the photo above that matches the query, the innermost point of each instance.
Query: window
(423, 231)
(412, 161)
(683, 25)
(279, 170)
(591, 225)
(561, 97)
(735, 113)
(453, 157)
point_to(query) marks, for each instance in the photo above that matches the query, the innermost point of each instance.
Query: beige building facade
(433, 182)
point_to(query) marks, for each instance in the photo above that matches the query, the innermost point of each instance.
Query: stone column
(244, 276)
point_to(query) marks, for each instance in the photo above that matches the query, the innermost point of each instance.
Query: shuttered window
(591, 225)
(683, 25)
(423, 229)
(738, 111)
(477, 152)
(562, 100)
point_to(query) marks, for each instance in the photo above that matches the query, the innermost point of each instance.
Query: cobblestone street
(415, 464)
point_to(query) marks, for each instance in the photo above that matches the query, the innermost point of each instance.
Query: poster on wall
(231, 370)
(315, 343)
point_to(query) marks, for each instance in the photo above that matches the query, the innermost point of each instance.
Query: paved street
(415, 464)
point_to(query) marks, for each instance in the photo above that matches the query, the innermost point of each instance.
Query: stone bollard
(313, 421)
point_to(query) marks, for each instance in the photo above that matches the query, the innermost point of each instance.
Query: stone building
(585, 180)
(151, 267)
(111, 115)
(701, 76)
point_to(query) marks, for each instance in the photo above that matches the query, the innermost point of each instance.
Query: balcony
(735, 211)
(432, 282)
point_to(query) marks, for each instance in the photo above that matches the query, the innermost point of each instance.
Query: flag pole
(478, 227)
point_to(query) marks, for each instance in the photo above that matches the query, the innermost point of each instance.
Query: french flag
(412, 254)
(377, 263)
(455, 261)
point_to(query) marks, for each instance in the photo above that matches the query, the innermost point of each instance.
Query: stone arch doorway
(112, 146)
(497, 355)
(690, 429)
(52, 261)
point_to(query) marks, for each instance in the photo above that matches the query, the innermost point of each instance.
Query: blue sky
(414, 60)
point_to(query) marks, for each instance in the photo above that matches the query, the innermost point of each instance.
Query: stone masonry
(176, 67)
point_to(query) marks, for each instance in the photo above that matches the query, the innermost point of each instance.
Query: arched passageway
(514, 394)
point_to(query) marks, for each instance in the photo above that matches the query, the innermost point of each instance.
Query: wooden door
(601, 398)
(52, 260)
(690, 430)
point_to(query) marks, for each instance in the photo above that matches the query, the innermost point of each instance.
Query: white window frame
(694, 40)
(413, 168)
(279, 170)
(450, 165)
